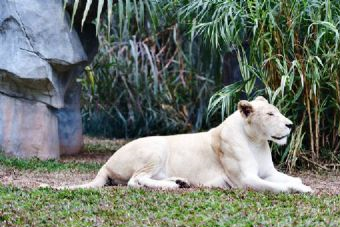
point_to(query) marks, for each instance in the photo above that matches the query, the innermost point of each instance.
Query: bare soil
(325, 183)
(322, 183)
(33, 179)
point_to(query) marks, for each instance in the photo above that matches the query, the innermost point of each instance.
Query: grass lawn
(140, 207)
(23, 204)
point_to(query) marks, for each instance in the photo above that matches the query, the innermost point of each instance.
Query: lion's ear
(261, 98)
(245, 108)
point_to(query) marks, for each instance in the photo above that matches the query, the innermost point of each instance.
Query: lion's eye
(270, 114)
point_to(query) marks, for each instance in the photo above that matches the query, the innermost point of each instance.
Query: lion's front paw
(301, 188)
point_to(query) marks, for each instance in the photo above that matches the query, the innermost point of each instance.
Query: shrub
(171, 51)
(293, 51)
(150, 76)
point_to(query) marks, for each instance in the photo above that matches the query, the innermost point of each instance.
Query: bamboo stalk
(316, 121)
(334, 133)
(307, 102)
(310, 126)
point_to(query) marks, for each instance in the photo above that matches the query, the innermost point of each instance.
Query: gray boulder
(37, 43)
(28, 129)
(40, 58)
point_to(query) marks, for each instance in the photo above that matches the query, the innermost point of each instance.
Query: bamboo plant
(290, 47)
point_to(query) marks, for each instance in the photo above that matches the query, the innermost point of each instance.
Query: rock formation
(40, 58)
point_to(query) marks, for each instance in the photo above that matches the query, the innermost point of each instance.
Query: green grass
(46, 166)
(132, 207)
(122, 206)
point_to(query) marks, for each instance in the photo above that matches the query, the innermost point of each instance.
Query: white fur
(235, 154)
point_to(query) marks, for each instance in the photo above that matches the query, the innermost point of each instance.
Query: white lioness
(236, 154)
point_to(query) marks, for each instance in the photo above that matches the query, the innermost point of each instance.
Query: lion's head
(264, 121)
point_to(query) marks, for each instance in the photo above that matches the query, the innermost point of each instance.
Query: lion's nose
(290, 125)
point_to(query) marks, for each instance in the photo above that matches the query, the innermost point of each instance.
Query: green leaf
(75, 7)
(87, 8)
(99, 11)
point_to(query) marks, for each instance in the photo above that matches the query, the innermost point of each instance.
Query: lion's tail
(99, 181)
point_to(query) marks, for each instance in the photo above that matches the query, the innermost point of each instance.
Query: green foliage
(88, 4)
(293, 50)
(149, 76)
(168, 54)
(141, 207)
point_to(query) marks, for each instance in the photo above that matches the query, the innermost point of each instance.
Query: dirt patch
(100, 145)
(33, 179)
(85, 157)
(324, 183)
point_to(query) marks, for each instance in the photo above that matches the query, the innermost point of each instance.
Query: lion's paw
(301, 188)
(181, 182)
